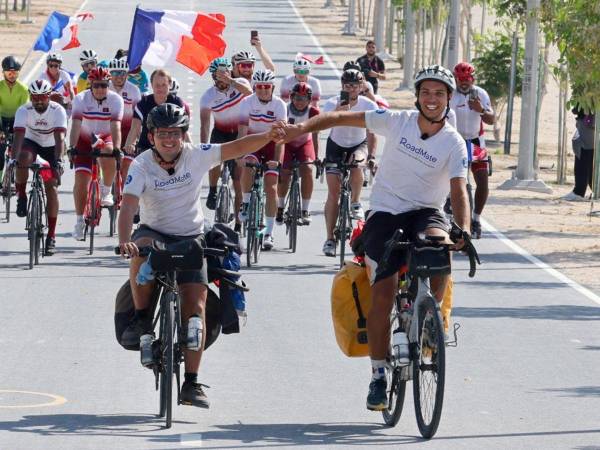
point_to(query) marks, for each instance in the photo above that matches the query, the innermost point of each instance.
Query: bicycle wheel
(342, 224)
(259, 227)
(396, 387)
(223, 205)
(167, 331)
(32, 220)
(39, 234)
(429, 368)
(294, 215)
(93, 212)
(252, 229)
(7, 190)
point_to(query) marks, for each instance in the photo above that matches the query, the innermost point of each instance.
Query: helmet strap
(295, 110)
(169, 166)
(442, 120)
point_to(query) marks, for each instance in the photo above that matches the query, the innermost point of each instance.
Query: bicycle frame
(36, 209)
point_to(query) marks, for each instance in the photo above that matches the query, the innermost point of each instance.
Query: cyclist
(423, 158)
(172, 213)
(222, 102)
(301, 75)
(13, 94)
(257, 113)
(40, 128)
(472, 106)
(88, 60)
(97, 114)
(136, 75)
(305, 148)
(161, 83)
(243, 65)
(59, 79)
(346, 144)
(119, 83)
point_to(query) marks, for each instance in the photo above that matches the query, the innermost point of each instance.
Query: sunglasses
(263, 85)
(39, 97)
(302, 71)
(351, 85)
(54, 66)
(169, 134)
(301, 98)
(88, 64)
(248, 65)
(118, 73)
(99, 85)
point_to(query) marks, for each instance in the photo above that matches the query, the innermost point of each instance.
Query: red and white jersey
(288, 83)
(63, 85)
(295, 118)
(131, 96)
(259, 116)
(224, 105)
(40, 128)
(95, 115)
(468, 121)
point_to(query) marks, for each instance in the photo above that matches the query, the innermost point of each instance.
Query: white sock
(105, 190)
(270, 223)
(476, 217)
(378, 367)
(305, 204)
(280, 202)
(246, 197)
(80, 219)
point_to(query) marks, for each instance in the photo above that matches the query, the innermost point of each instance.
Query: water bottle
(146, 354)
(145, 274)
(194, 333)
(400, 347)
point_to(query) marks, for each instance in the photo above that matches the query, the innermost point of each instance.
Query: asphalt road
(525, 373)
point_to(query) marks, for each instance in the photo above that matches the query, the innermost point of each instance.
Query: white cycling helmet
(301, 64)
(243, 56)
(40, 87)
(174, 87)
(436, 73)
(54, 57)
(118, 64)
(88, 56)
(263, 76)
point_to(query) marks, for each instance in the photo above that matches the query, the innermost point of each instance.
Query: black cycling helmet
(168, 115)
(352, 65)
(352, 76)
(11, 63)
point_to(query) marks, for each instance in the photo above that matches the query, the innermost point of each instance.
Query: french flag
(159, 38)
(60, 32)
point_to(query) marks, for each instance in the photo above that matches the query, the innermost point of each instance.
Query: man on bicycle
(59, 79)
(222, 102)
(97, 114)
(301, 75)
(304, 148)
(423, 158)
(258, 113)
(13, 94)
(40, 128)
(88, 60)
(347, 144)
(472, 106)
(167, 183)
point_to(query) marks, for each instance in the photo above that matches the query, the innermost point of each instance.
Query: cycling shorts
(478, 153)
(220, 137)
(82, 162)
(302, 153)
(46, 153)
(380, 227)
(265, 154)
(335, 153)
(183, 277)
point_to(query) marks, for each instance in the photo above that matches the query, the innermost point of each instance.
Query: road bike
(224, 207)
(254, 226)
(416, 312)
(36, 220)
(8, 177)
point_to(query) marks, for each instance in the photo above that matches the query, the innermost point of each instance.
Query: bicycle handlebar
(155, 247)
(94, 154)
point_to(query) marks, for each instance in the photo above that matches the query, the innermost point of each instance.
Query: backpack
(350, 306)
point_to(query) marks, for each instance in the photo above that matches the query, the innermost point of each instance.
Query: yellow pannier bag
(350, 306)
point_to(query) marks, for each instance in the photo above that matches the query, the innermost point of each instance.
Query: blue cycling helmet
(214, 65)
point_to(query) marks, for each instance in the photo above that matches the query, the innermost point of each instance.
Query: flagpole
(27, 56)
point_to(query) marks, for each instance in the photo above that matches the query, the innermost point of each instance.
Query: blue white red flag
(60, 32)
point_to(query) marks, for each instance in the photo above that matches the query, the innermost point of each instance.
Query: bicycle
(93, 209)
(36, 212)
(293, 204)
(8, 177)
(169, 348)
(224, 208)
(254, 226)
(426, 337)
(117, 193)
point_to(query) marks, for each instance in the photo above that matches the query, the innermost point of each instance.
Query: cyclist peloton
(167, 181)
(304, 148)
(60, 81)
(40, 128)
(257, 113)
(423, 158)
(472, 106)
(88, 60)
(347, 144)
(301, 75)
(97, 114)
(222, 102)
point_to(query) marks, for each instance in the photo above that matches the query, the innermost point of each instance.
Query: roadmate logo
(380, 111)
(128, 180)
(174, 182)
(417, 151)
(205, 147)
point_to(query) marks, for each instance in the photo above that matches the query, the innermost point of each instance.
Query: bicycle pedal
(453, 343)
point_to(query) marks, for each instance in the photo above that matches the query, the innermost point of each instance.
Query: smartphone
(473, 95)
(222, 68)
(253, 34)
(344, 97)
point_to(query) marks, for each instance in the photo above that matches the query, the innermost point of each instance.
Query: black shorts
(380, 227)
(183, 277)
(46, 153)
(220, 137)
(335, 153)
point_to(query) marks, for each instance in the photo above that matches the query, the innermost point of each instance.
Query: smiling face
(433, 97)
(167, 141)
(264, 91)
(40, 102)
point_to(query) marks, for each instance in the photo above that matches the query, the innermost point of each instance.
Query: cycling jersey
(143, 108)
(301, 148)
(60, 84)
(131, 96)
(294, 118)
(349, 136)
(96, 116)
(12, 98)
(468, 121)
(259, 116)
(169, 203)
(290, 81)
(224, 105)
(414, 173)
(40, 128)
(82, 82)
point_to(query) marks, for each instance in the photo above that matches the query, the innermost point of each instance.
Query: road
(525, 373)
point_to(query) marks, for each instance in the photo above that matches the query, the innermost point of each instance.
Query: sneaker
(329, 247)
(22, 206)
(268, 242)
(356, 211)
(279, 216)
(50, 246)
(377, 399)
(243, 214)
(476, 229)
(211, 200)
(306, 218)
(573, 197)
(192, 394)
(107, 199)
(79, 231)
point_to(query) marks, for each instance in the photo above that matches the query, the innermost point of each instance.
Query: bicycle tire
(7, 190)
(294, 215)
(167, 355)
(342, 224)
(252, 229)
(223, 205)
(429, 367)
(39, 234)
(93, 210)
(31, 225)
(259, 231)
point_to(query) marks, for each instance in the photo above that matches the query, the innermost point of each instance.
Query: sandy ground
(558, 232)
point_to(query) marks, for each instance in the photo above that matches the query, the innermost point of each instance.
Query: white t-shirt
(259, 116)
(224, 106)
(288, 83)
(468, 121)
(349, 136)
(414, 173)
(131, 96)
(95, 116)
(40, 128)
(170, 204)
